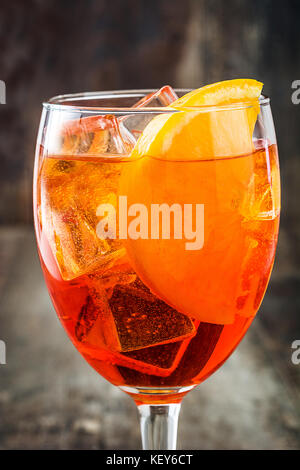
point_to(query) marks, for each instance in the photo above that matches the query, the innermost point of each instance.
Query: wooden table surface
(51, 399)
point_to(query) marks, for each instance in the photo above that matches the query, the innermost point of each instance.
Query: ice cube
(97, 135)
(160, 98)
(190, 361)
(159, 360)
(164, 357)
(74, 184)
(163, 97)
(137, 316)
(96, 325)
(262, 198)
(71, 191)
(143, 320)
(133, 328)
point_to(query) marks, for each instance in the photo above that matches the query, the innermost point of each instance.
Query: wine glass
(156, 229)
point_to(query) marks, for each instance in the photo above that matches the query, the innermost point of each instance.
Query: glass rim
(60, 102)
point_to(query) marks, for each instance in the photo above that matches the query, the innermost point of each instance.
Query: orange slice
(196, 131)
(177, 161)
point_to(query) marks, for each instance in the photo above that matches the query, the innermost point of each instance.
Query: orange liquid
(143, 316)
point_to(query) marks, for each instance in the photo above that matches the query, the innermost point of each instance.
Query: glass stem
(159, 426)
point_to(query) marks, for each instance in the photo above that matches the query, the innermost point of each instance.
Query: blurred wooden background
(49, 48)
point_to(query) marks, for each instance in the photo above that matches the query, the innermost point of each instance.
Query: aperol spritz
(154, 298)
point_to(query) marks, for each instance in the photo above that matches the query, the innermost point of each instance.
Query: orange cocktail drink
(157, 261)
